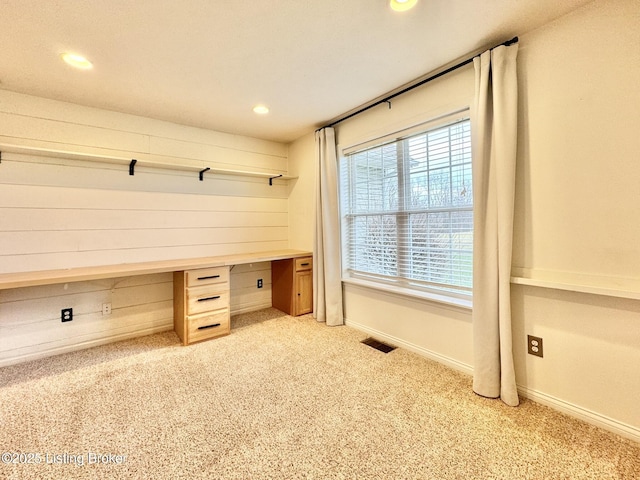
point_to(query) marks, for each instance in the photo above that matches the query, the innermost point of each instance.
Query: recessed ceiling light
(77, 61)
(261, 109)
(402, 5)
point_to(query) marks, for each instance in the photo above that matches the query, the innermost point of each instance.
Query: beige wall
(61, 213)
(577, 211)
(577, 207)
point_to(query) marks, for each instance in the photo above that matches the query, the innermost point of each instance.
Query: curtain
(494, 141)
(327, 282)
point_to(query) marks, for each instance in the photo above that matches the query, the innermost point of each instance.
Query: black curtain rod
(415, 85)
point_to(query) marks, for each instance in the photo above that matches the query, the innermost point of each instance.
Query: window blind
(407, 210)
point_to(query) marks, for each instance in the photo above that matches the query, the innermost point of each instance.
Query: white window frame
(399, 285)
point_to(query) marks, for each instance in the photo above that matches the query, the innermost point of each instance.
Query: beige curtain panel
(327, 282)
(494, 141)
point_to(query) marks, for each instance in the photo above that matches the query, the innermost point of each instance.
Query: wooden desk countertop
(80, 274)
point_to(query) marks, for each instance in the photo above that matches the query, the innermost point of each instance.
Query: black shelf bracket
(132, 166)
(202, 173)
(0, 156)
(271, 179)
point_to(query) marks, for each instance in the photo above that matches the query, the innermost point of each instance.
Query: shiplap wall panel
(181, 225)
(48, 308)
(115, 239)
(51, 197)
(138, 320)
(62, 212)
(245, 295)
(222, 157)
(63, 133)
(31, 323)
(45, 261)
(86, 117)
(40, 219)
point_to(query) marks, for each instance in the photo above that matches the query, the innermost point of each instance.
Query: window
(407, 211)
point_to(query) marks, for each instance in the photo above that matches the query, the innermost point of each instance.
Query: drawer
(304, 263)
(207, 298)
(208, 325)
(207, 276)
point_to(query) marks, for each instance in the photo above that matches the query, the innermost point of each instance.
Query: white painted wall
(577, 211)
(61, 213)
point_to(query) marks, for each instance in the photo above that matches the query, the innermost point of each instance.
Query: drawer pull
(209, 277)
(205, 299)
(213, 325)
(304, 264)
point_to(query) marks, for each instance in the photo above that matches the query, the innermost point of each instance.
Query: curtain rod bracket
(201, 175)
(132, 166)
(271, 179)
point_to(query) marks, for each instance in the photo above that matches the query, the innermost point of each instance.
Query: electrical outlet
(534, 345)
(106, 309)
(66, 314)
(259, 283)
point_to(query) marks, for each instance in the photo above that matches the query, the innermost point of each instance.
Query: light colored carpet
(282, 398)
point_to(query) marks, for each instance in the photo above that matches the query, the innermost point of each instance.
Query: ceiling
(206, 63)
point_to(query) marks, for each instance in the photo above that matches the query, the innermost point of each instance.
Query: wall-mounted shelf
(132, 163)
(591, 284)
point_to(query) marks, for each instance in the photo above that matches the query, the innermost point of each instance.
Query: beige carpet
(281, 398)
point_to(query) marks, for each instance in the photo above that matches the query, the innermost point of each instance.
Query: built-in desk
(81, 274)
(197, 281)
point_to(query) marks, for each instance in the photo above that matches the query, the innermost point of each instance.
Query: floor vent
(383, 347)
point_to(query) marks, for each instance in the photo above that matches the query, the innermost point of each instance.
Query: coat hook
(388, 103)
(132, 166)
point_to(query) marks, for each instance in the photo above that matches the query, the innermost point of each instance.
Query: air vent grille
(378, 345)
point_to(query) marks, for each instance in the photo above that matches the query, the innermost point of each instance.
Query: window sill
(440, 299)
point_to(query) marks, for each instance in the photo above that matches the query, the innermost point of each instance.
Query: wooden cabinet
(201, 304)
(292, 285)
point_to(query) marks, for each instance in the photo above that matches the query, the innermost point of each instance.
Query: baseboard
(27, 357)
(581, 413)
(237, 310)
(398, 342)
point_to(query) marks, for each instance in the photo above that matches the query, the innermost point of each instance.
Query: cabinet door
(304, 292)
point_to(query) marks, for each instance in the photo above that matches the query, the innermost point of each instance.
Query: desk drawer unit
(201, 304)
(292, 285)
